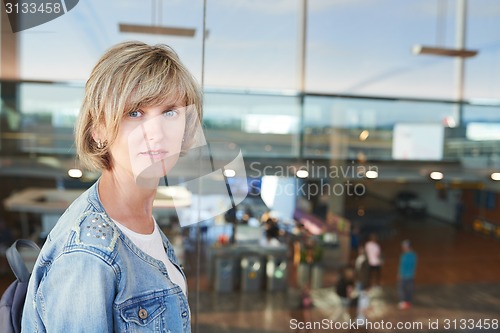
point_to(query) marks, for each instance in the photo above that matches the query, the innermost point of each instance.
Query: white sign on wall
(418, 142)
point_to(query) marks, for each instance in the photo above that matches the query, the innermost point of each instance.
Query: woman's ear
(98, 134)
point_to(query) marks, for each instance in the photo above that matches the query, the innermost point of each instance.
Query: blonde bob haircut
(129, 76)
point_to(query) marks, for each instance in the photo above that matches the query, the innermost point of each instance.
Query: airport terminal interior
(328, 125)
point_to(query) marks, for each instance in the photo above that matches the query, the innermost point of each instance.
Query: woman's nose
(153, 129)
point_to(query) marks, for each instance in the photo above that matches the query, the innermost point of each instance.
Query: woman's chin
(147, 182)
(152, 173)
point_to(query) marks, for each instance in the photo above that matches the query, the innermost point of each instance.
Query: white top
(373, 253)
(152, 245)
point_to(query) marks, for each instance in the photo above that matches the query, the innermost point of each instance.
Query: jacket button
(143, 314)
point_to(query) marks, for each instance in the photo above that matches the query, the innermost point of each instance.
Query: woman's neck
(127, 202)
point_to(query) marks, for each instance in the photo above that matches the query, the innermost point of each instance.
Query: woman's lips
(154, 155)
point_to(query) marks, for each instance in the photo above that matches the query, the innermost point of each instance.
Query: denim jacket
(89, 277)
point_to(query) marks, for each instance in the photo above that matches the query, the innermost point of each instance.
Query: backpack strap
(16, 261)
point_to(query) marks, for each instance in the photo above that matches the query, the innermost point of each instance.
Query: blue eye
(170, 113)
(134, 114)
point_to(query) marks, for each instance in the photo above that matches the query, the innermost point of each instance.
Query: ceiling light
(495, 176)
(442, 51)
(371, 174)
(364, 135)
(75, 173)
(229, 173)
(436, 175)
(302, 173)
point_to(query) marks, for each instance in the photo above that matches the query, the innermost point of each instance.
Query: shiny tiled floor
(458, 279)
(275, 312)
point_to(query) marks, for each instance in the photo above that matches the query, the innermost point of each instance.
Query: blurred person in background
(406, 275)
(271, 233)
(346, 290)
(106, 266)
(362, 270)
(374, 255)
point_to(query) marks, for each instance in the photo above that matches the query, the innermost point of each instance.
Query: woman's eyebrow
(174, 106)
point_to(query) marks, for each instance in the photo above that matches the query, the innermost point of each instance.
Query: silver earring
(99, 144)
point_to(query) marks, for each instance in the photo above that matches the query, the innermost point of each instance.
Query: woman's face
(149, 140)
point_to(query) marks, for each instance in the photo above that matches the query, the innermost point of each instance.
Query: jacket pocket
(143, 314)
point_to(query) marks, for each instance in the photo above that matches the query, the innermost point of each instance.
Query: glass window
(262, 125)
(354, 128)
(39, 117)
(68, 47)
(483, 71)
(252, 44)
(364, 47)
(49, 113)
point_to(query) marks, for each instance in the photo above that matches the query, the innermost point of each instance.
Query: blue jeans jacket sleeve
(62, 293)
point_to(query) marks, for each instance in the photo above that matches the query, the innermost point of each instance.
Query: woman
(106, 266)
(374, 255)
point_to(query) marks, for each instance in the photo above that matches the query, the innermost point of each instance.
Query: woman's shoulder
(96, 230)
(86, 225)
(84, 236)
(92, 226)
(90, 232)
